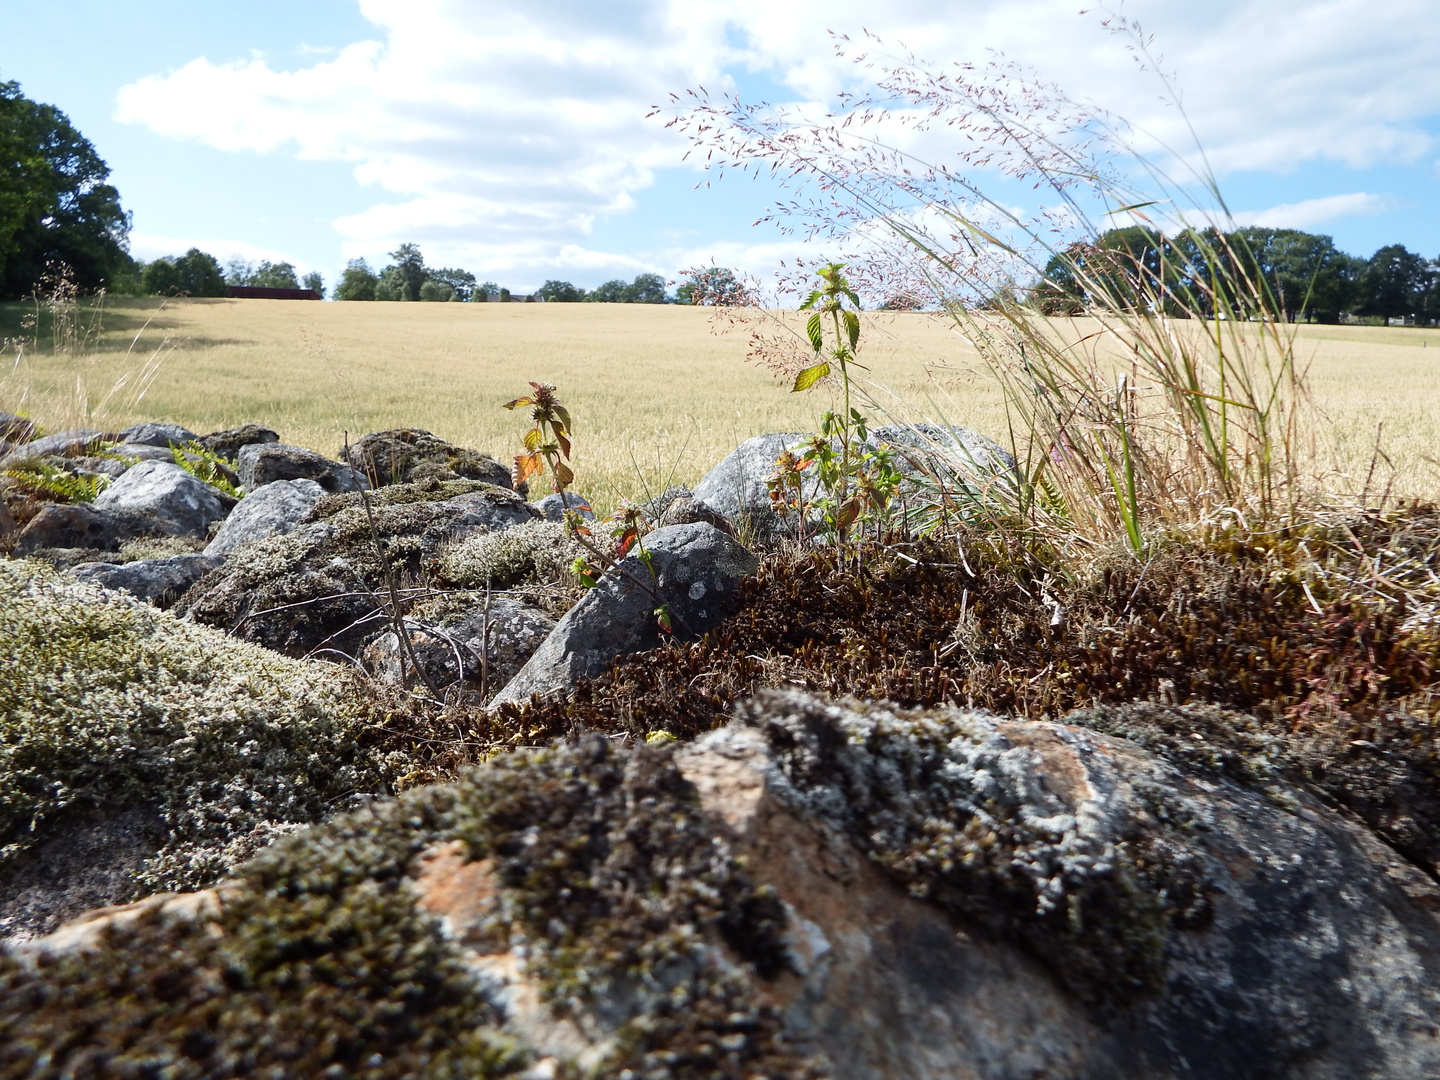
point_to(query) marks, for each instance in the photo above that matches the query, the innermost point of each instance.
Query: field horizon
(656, 395)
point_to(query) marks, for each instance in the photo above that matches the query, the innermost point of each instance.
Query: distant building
(260, 292)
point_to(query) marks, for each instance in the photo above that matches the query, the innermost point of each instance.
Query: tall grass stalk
(1147, 390)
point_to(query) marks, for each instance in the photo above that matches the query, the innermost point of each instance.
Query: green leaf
(852, 327)
(563, 415)
(815, 330)
(811, 300)
(810, 376)
(533, 439)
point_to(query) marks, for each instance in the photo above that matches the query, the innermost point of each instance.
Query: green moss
(110, 705)
(535, 553)
(317, 965)
(611, 886)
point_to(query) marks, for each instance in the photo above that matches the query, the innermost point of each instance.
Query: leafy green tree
(357, 281)
(196, 273)
(405, 275)
(315, 282)
(646, 289)
(55, 204)
(560, 292)
(433, 291)
(461, 283)
(1304, 273)
(270, 275)
(610, 292)
(1394, 283)
(485, 290)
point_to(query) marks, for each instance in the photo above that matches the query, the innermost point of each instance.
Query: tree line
(1300, 276)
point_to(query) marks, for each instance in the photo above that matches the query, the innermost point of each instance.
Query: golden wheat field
(656, 393)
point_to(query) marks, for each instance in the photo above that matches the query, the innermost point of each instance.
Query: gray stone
(74, 443)
(84, 525)
(95, 466)
(161, 435)
(170, 494)
(699, 570)
(552, 507)
(160, 581)
(275, 508)
(142, 452)
(259, 464)
(228, 443)
(450, 650)
(736, 488)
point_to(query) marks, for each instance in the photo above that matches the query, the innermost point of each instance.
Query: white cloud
(1311, 212)
(497, 135)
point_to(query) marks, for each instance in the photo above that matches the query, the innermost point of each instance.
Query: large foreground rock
(272, 510)
(228, 443)
(183, 504)
(697, 570)
(736, 487)
(324, 584)
(817, 890)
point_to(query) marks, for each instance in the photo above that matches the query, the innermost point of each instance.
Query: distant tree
(461, 283)
(357, 282)
(433, 291)
(270, 275)
(646, 289)
(504, 296)
(1305, 275)
(393, 286)
(315, 282)
(485, 290)
(55, 204)
(195, 273)
(712, 286)
(1394, 283)
(239, 271)
(560, 292)
(610, 292)
(408, 275)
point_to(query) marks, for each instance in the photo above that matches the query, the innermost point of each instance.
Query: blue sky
(514, 143)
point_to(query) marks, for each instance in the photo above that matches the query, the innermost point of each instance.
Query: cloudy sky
(512, 140)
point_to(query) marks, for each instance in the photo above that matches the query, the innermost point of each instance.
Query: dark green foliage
(315, 282)
(645, 289)
(267, 275)
(195, 273)
(559, 292)
(608, 292)
(357, 282)
(51, 482)
(56, 207)
(712, 286)
(1396, 283)
(461, 283)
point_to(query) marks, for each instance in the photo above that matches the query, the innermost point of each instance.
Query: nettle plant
(548, 444)
(855, 480)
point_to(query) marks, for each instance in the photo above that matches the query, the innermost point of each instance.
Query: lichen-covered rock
(15, 429)
(405, 455)
(228, 443)
(110, 707)
(819, 889)
(159, 435)
(73, 443)
(694, 570)
(533, 552)
(271, 510)
(552, 507)
(259, 464)
(736, 487)
(85, 525)
(140, 452)
(180, 502)
(322, 584)
(160, 581)
(481, 648)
